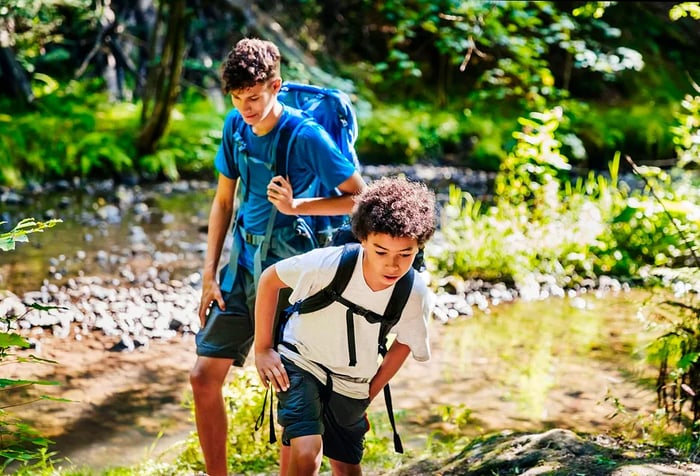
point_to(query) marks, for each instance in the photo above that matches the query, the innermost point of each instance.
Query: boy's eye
(381, 253)
(406, 255)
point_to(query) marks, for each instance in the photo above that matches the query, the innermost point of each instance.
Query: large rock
(554, 452)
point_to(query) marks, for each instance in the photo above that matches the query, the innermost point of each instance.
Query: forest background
(132, 90)
(547, 95)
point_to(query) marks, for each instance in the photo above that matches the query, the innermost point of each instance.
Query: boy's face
(256, 103)
(387, 259)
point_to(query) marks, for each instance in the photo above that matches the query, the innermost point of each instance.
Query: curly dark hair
(395, 206)
(251, 61)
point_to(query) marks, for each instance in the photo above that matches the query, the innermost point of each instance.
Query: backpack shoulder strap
(394, 309)
(393, 312)
(286, 134)
(334, 290)
(337, 285)
(281, 149)
(325, 296)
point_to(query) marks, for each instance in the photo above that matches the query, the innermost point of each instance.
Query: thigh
(345, 424)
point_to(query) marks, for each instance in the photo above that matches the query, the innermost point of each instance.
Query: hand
(210, 292)
(281, 195)
(271, 370)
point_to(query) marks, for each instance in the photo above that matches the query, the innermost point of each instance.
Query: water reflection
(104, 228)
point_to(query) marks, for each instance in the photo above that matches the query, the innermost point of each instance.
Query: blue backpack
(333, 110)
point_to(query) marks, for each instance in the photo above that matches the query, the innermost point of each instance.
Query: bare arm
(219, 222)
(267, 360)
(392, 362)
(279, 192)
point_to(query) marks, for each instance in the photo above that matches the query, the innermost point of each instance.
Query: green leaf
(36, 360)
(12, 340)
(40, 307)
(7, 382)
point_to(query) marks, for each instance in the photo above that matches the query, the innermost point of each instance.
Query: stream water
(104, 228)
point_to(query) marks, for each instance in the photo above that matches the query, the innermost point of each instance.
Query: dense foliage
(433, 81)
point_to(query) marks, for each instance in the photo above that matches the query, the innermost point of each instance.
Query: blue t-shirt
(314, 159)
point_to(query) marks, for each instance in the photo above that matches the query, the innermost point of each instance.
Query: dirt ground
(122, 400)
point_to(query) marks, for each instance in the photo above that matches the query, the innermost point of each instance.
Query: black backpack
(333, 292)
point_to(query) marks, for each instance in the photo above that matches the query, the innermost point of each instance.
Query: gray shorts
(307, 408)
(229, 334)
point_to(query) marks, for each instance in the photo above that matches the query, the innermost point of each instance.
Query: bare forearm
(341, 205)
(265, 306)
(219, 223)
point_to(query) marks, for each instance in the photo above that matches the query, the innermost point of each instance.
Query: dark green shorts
(307, 409)
(229, 334)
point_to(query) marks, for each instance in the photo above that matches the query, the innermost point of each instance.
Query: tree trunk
(163, 82)
(13, 78)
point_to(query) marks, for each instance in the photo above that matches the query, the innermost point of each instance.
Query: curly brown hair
(395, 206)
(251, 61)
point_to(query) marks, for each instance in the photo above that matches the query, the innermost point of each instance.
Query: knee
(201, 380)
(308, 459)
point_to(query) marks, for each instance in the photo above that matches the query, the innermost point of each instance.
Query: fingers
(278, 186)
(271, 370)
(278, 181)
(205, 305)
(220, 301)
(276, 376)
(203, 308)
(281, 195)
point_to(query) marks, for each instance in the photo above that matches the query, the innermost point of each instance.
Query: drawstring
(261, 418)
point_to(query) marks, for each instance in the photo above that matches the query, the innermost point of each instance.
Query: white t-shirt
(321, 336)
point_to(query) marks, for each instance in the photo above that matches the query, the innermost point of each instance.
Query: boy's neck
(269, 123)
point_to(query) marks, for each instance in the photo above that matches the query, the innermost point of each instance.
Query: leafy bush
(19, 442)
(686, 132)
(407, 134)
(543, 223)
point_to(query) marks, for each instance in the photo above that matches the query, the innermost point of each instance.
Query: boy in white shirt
(323, 396)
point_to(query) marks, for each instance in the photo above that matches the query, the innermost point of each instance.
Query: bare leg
(305, 455)
(285, 454)
(339, 468)
(207, 379)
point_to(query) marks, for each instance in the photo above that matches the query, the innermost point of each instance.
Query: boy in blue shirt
(323, 397)
(251, 75)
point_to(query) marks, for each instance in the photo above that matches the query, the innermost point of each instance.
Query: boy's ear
(276, 85)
